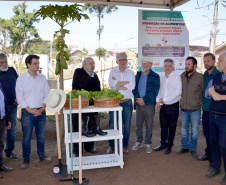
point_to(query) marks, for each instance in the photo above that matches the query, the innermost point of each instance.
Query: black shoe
(92, 150)
(160, 147)
(13, 156)
(88, 134)
(5, 169)
(182, 151)
(213, 172)
(168, 150)
(99, 132)
(25, 164)
(203, 158)
(45, 159)
(194, 154)
(223, 180)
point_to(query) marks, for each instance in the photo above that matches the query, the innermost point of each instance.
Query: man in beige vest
(190, 104)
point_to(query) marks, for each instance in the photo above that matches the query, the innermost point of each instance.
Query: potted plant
(107, 98)
(86, 95)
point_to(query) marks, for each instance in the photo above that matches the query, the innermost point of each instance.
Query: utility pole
(214, 30)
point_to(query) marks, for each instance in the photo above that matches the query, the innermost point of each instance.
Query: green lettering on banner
(165, 16)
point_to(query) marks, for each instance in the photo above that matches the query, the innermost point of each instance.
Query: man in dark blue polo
(211, 71)
(8, 77)
(216, 91)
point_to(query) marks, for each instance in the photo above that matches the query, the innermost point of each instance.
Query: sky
(121, 27)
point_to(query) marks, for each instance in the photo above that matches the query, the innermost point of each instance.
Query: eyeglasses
(123, 60)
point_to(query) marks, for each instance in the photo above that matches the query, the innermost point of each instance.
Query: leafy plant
(86, 95)
(110, 94)
(100, 10)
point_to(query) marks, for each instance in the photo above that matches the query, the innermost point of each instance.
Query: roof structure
(163, 4)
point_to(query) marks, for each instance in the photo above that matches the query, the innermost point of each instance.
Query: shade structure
(163, 4)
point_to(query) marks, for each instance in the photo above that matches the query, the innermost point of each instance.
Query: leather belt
(123, 101)
(172, 105)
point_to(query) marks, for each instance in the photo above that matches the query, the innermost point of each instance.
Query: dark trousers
(168, 122)
(218, 139)
(206, 133)
(2, 134)
(87, 145)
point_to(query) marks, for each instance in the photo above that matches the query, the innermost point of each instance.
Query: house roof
(198, 48)
(220, 46)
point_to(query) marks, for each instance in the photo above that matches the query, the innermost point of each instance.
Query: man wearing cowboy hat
(32, 90)
(145, 93)
(86, 78)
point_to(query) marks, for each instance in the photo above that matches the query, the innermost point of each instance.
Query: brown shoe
(125, 150)
(110, 150)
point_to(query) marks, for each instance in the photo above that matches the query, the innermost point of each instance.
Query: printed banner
(161, 35)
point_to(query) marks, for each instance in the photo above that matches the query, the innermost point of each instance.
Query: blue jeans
(206, 133)
(126, 120)
(186, 119)
(28, 122)
(10, 136)
(218, 139)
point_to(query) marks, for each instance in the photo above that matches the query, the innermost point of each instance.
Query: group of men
(191, 91)
(29, 91)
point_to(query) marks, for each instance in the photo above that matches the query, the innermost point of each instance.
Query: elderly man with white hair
(86, 78)
(145, 93)
(123, 79)
(216, 91)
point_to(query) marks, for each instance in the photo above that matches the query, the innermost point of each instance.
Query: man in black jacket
(4, 124)
(86, 78)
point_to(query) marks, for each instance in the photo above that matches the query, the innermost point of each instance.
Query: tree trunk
(99, 30)
(61, 86)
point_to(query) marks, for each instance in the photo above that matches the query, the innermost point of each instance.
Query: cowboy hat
(55, 100)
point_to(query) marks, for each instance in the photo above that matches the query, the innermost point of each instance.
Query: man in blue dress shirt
(4, 124)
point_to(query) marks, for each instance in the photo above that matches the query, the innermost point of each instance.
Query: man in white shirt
(168, 97)
(32, 90)
(123, 79)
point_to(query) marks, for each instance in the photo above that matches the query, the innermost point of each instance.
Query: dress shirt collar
(120, 71)
(170, 75)
(92, 75)
(27, 75)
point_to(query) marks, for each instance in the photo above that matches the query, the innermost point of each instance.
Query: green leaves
(62, 14)
(110, 94)
(100, 52)
(86, 95)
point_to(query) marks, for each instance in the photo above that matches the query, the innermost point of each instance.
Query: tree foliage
(100, 52)
(62, 15)
(100, 10)
(18, 31)
(82, 54)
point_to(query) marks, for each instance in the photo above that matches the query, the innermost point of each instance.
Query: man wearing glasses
(123, 79)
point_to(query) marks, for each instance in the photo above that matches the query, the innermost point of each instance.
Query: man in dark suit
(86, 78)
(4, 124)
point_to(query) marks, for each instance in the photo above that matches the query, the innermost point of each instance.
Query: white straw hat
(55, 100)
(146, 59)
